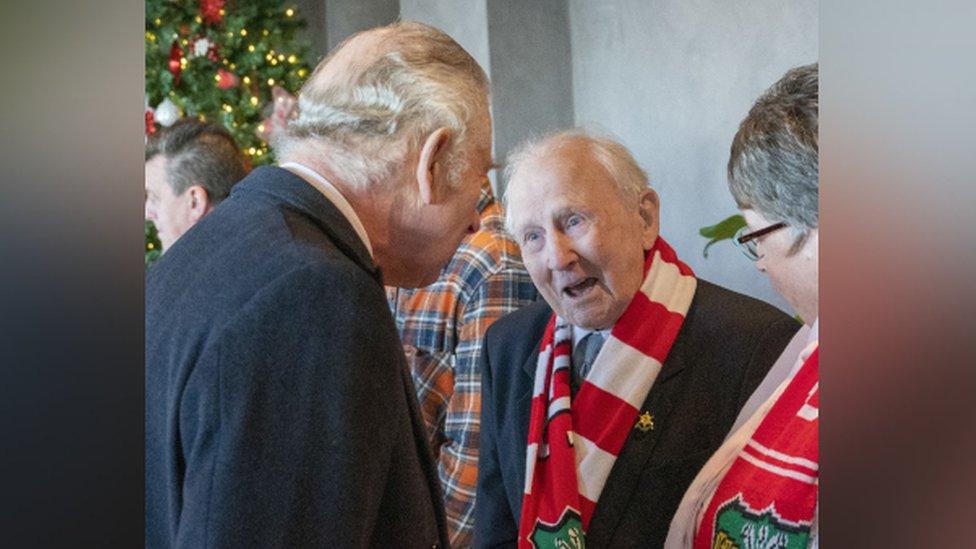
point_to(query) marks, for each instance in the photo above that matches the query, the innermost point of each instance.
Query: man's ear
(430, 167)
(650, 207)
(199, 202)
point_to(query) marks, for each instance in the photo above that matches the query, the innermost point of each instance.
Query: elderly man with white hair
(601, 403)
(763, 482)
(279, 407)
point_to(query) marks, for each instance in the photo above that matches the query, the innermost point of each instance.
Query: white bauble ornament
(166, 113)
(201, 47)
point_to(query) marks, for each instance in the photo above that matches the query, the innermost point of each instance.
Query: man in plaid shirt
(442, 328)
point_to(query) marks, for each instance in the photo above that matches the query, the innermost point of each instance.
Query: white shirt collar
(333, 195)
(580, 333)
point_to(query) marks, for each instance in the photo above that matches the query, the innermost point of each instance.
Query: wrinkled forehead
(545, 185)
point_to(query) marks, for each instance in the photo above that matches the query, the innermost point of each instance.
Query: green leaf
(723, 230)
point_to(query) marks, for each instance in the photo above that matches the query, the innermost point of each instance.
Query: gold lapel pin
(645, 422)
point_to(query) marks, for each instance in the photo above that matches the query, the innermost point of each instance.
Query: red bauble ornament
(227, 79)
(210, 11)
(175, 54)
(150, 123)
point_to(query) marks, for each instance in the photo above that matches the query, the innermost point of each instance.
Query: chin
(425, 279)
(428, 280)
(588, 320)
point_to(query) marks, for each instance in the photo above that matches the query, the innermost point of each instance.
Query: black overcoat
(279, 408)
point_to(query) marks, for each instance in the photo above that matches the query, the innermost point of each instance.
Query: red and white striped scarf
(572, 446)
(769, 493)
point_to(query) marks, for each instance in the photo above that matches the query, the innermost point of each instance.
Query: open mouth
(581, 288)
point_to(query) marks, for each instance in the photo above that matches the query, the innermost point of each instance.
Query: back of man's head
(198, 154)
(375, 98)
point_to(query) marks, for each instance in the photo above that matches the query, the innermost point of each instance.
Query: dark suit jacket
(726, 344)
(279, 410)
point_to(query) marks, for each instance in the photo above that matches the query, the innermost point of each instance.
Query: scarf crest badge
(768, 497)
(572, 447)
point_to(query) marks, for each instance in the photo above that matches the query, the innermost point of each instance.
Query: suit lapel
(523, 405)
(637, 450)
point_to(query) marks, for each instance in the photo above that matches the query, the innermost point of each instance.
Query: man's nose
(150, 212)
(559, 253)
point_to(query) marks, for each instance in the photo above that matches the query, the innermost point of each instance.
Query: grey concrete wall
(672, 80)
(332, 21)
(346, 17)
(466, 21)
(531, 71)
(313, 11)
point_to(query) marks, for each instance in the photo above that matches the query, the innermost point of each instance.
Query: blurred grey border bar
(897, 269)
(71, 288)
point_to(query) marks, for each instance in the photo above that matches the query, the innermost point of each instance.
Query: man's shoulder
(218, 280)
(721, 312)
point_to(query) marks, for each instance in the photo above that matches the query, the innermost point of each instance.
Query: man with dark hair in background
(190, 168)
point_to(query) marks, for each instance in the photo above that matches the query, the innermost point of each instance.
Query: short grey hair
(198, 154)
(388, 107)
(774, 162)
(624, 171)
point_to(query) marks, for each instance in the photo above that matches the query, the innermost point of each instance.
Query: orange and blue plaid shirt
(442, 327)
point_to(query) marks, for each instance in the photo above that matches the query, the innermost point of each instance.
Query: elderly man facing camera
(279, 407)
(602, 403)
(765, 476)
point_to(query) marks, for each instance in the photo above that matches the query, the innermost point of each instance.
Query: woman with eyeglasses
(760, 488)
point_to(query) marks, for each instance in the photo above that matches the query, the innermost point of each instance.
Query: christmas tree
(235, 63)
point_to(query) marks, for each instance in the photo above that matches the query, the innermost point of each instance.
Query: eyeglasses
(747, 241)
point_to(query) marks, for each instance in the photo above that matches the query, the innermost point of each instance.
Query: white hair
(624, 171)
(379, 113)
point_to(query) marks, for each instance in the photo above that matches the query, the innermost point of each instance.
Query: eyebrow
(560, 214)
(567, 211)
